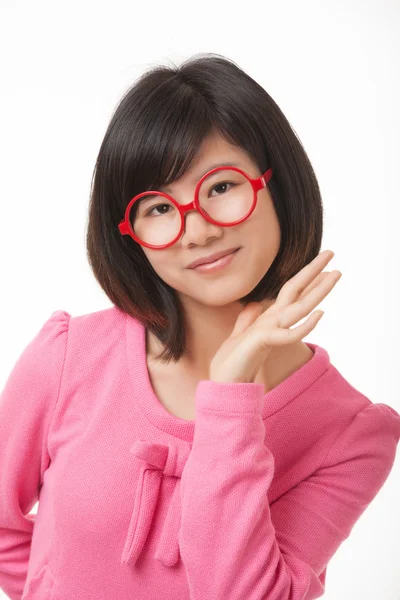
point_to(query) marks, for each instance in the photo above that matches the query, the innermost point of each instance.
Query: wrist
(225, 378)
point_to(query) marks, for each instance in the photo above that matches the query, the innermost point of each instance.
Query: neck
(207, 327)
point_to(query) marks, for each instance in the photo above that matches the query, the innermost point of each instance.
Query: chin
(228, 294)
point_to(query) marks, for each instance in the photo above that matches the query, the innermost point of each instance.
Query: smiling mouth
(217, 264)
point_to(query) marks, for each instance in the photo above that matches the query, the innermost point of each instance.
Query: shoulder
(100, 325)
(355, 419)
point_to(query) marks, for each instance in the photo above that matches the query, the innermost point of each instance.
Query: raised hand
(256, 330)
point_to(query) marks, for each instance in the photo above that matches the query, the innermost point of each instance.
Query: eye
(223, 183)
(154, 207)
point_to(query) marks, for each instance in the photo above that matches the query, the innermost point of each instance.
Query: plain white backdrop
(332, 67)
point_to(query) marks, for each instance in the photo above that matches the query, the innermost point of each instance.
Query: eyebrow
(210, 168)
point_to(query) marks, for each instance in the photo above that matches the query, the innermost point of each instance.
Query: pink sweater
(248, 502)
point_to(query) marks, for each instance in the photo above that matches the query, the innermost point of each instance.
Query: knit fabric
(249, 501)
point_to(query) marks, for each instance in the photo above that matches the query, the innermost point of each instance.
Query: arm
(233, 544)
(27, 403)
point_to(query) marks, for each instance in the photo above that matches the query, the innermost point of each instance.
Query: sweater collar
(157, 414)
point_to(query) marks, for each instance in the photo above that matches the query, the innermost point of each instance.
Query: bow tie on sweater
(158, 460)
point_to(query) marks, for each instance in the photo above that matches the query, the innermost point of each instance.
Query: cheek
(266, 222)
(166, 267)
(261, 232)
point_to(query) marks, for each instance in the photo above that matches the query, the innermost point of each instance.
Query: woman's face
(258, 236)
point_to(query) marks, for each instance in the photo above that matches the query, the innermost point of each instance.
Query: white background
(333, 68)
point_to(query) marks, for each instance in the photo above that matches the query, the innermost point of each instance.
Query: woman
(186, 443)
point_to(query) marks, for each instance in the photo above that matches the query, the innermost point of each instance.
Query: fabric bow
(158, 460)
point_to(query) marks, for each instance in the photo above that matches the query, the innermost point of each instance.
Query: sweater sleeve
(233, 543)
(27, 403)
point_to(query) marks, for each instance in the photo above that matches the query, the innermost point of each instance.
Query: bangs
(162, 139)
(173, 138)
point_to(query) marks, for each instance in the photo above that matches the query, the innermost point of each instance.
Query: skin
(210, 301)
(257, 330)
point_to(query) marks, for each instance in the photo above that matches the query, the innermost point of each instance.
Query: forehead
(211, 166)
(215, 151)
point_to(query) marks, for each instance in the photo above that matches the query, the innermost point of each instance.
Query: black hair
(152, 139)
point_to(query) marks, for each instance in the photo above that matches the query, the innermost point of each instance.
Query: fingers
(246, 317)
(303, 306)
(299, 282)
(314, 283)
(288, 336)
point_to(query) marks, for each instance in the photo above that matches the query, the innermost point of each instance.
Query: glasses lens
(155, 220)
(225, 196)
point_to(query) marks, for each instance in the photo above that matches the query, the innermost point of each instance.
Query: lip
(216, 265)
(211, 258)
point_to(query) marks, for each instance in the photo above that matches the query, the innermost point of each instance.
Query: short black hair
(152, 138)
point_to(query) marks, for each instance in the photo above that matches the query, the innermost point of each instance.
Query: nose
(200, 228)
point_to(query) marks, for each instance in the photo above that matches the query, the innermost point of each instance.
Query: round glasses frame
(257, 184)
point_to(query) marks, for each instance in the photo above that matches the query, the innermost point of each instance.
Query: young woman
(186, 443)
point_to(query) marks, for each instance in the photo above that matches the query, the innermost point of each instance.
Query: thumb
(247, 316)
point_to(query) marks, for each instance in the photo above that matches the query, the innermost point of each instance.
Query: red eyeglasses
(233, 206)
